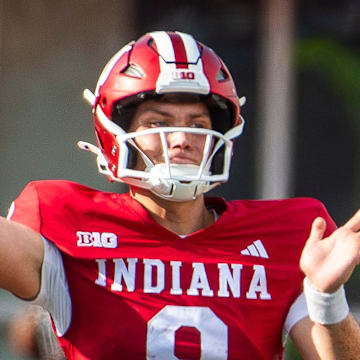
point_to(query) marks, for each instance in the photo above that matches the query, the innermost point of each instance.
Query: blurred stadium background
(297, 62)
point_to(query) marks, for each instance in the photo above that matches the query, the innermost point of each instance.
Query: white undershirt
(54, 293)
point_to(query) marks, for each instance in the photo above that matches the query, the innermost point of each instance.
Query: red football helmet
(161, 63)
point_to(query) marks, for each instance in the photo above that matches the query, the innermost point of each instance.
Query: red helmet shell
(160, 62)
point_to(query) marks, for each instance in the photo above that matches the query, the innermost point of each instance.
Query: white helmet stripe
(191, 47)
(173, 78)
(165, 49)
(192, 52)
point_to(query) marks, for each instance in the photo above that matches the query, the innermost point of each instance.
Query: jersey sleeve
(25, 209)
(297, 311)
(54, 293)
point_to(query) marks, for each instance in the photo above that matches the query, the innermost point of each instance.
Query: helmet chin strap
(176, 190)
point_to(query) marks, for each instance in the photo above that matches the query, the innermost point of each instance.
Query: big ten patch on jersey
(96, 239)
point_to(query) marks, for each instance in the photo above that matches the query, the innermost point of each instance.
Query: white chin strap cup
(176, 190)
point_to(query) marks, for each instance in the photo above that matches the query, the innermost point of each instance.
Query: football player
(163, 272)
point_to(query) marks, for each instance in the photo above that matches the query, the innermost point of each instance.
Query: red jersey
(139, 291)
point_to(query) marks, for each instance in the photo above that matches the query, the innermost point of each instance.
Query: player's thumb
(317, 229)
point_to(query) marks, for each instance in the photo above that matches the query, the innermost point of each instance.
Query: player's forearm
(339, 341)
(21, 254)
(330, 332)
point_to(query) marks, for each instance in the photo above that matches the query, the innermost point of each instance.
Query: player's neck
(182, 218)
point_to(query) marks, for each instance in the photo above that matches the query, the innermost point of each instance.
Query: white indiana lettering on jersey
(96, 239)
(229, 277)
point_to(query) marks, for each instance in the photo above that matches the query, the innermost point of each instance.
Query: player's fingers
(317, 229)
(354, 222)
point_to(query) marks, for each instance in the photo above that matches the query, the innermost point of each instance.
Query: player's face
(183, 148)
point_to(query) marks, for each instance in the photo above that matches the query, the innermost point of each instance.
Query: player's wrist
(326, 308)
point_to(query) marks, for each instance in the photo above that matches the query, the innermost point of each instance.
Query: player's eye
(200, 125)
(157, 123)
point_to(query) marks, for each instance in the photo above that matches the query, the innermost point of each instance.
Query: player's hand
(329, 262)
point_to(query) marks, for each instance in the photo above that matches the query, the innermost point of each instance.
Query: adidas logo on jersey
(256, 249)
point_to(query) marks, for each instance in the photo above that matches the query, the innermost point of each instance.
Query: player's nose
(179, 139)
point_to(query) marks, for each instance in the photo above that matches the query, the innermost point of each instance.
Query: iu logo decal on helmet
(157, 64)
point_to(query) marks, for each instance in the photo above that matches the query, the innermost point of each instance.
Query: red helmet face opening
(221, 111)
(157, 64)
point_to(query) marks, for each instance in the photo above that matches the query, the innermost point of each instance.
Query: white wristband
(326, 308)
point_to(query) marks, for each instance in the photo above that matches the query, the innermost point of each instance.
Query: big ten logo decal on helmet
(183, 75)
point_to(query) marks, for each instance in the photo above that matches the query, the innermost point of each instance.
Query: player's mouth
(183, 160)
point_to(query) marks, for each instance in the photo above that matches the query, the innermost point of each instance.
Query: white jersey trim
(54, 293)
(297, 312)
